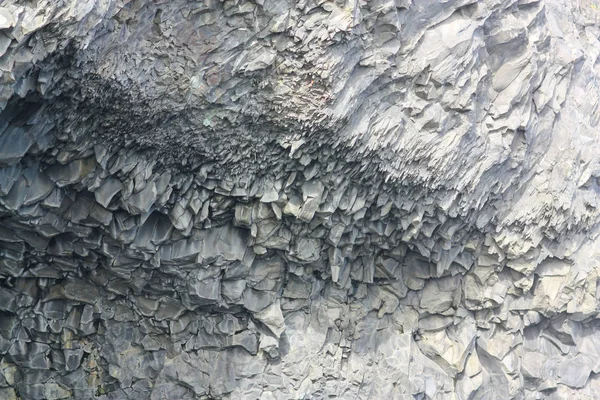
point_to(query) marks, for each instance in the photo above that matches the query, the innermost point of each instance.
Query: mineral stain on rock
(299, 199)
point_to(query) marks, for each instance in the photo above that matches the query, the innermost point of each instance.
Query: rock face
(279, 199)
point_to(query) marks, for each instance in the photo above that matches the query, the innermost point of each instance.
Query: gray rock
(272, 317)
(8, 393)
(207, 290)
(76, 290)
(370, 199)
(72, 172)
(7, 20)
(142, 201)
(8, 177)
(30, 188)
(14, 142)
(107, 191)
(575, 371)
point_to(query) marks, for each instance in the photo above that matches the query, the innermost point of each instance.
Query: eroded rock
(278, 199)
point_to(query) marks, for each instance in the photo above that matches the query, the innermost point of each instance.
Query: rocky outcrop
(279, 199)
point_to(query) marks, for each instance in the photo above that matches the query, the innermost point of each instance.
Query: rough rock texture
(279, 199)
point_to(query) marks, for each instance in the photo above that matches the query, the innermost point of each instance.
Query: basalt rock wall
(278, 199)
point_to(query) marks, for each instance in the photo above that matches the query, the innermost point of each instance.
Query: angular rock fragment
(72, 172)
(76, 290)
(272, 317)
(107, 191)
(141, 202)
(14, 143)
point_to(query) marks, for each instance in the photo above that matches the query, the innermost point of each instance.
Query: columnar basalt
(299, 199)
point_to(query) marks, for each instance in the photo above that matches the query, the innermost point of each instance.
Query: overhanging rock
(280, 199)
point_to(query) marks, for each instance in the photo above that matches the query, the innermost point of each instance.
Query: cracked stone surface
(299, 199)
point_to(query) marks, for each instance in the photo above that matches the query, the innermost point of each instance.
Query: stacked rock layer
(299, 199)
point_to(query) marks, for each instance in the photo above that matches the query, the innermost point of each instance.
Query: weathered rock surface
(278, 199)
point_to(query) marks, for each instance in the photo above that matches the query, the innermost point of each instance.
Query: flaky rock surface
(280, 199)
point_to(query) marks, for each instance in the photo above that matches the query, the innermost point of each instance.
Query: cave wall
(299, 199)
